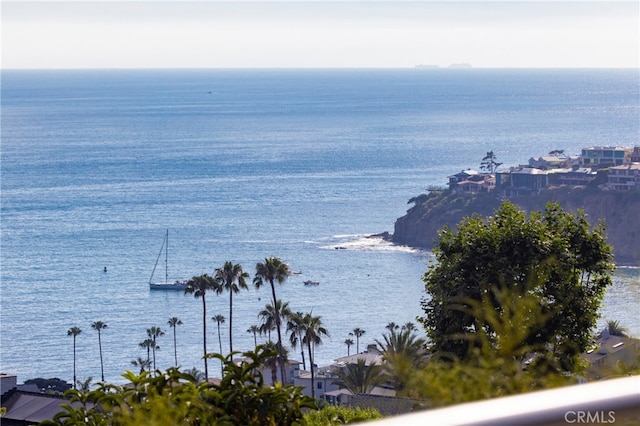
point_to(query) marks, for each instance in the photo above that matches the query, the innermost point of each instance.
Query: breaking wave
(365, 242)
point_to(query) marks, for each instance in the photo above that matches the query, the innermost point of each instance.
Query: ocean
(242, 165)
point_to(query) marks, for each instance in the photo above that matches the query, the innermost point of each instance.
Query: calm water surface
(242, 165)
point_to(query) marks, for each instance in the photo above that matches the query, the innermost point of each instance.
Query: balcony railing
(615, 401)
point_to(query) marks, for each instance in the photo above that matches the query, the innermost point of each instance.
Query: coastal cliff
(620, 212)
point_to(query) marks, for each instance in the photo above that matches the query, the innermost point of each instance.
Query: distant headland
(604, 182)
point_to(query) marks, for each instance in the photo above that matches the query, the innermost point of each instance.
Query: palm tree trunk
(175, 347)
(204, 337)
(220, 343)
(230, 323)
(274, 374)
(154, 354)
(283, 374)
(255, 339)
(304, 365)
(74, 361)
(101, 363)
(313, 387)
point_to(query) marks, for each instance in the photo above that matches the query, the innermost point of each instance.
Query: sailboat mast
(166, 260)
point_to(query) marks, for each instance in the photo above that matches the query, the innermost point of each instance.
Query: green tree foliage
(331, 415)
(53, 385)
(176, 398)
(446, 383)
(500, 362)
(551, 260)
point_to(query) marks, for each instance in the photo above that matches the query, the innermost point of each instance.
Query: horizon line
(417, 68)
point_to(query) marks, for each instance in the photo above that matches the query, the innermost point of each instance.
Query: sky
(319, 34)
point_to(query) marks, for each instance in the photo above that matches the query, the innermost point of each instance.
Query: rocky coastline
(620, 211)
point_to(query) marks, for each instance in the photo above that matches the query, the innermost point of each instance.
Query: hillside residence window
(319, 385)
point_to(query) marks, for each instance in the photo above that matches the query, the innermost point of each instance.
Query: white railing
(615, 401)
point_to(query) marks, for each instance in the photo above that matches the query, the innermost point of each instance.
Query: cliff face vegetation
(620, 212)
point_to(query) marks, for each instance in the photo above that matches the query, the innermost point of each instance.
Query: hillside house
(577, 176)
(519, 181)
(611, 351)
(471, 181)
(605, 156)
(324, 377)
(625, 177)
(26, 404)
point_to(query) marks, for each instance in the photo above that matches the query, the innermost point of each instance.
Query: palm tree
(142, 363)
(153, 333)
(86, 385)
(404, 341)
(174, 322)
(358, 332)
(409, 326)
(349, 343)
(147, 344)
(198, 286)
(404, 352)
(272, 362)
(74, 331)
(266, 328)
(255, 330)
(360, 378)
(219, 319)
(232, 278)
(391, 326)
(295, 327)
(273, 269)
(312, 332)
(99, 326)
(616, 329)
(268, 316)
(196, 374)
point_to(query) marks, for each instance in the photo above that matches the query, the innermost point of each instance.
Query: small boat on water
(311, 283)
(166, 285)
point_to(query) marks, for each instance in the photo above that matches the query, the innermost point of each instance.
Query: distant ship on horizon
(463, 65)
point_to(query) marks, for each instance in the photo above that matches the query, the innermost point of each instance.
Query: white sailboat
(166, 285)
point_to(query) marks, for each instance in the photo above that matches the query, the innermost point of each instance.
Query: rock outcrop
(620, 212)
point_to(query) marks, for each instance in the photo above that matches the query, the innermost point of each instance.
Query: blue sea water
(245, 164)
